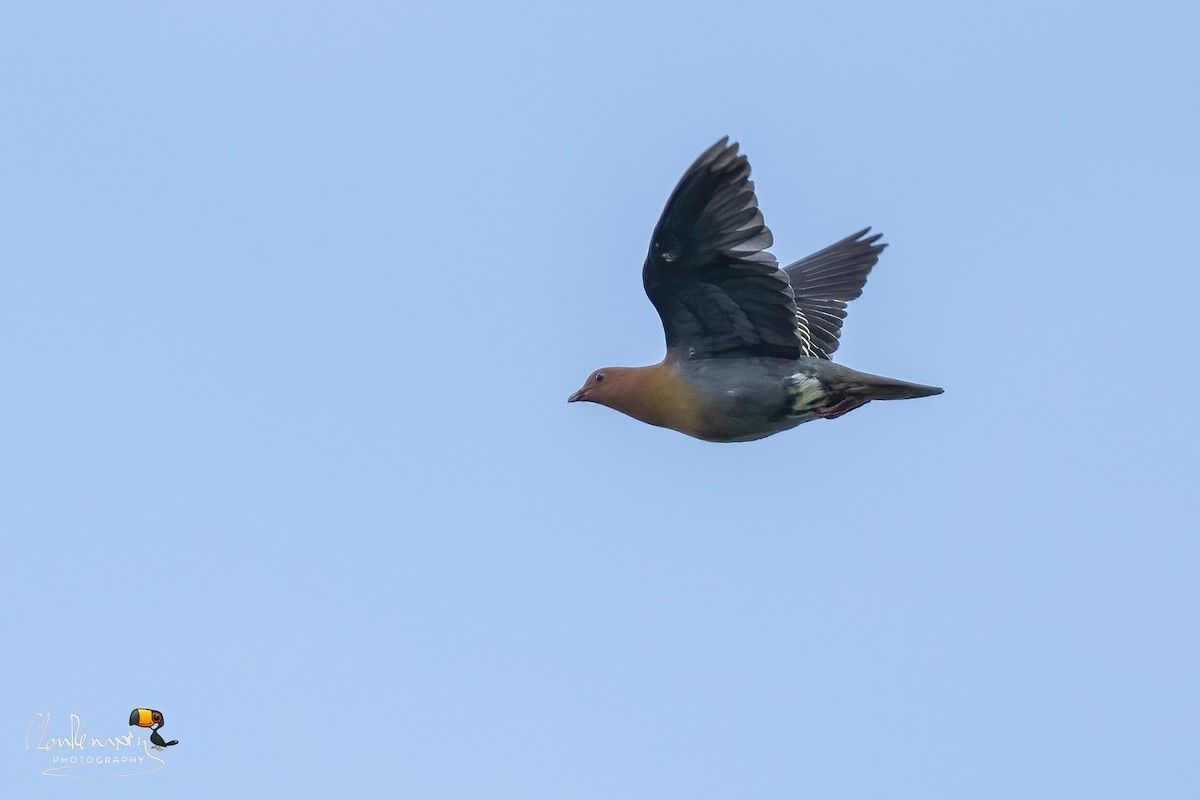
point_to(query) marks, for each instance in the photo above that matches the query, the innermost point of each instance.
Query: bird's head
(604, 386)
(653, 394)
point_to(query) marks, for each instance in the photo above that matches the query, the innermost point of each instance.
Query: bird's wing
(825, 281)
(718, 291)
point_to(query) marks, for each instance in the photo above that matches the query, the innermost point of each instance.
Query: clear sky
(291, 299)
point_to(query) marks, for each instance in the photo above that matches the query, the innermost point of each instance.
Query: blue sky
(292, 296)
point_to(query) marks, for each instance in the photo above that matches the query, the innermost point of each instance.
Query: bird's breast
(733, 400)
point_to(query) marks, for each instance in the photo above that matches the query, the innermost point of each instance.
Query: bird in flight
(748, 343)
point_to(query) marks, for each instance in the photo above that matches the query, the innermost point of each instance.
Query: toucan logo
(149, 718)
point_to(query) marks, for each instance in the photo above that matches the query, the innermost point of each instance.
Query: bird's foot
(841, 407)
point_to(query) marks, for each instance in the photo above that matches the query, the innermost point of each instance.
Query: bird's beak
(576, 397)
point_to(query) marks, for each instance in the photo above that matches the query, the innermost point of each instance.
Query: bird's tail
(879, 388)
(852, 383)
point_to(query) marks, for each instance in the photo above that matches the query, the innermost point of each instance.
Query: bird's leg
(841, 407)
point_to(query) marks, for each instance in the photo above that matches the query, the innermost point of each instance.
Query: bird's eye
(599, 377)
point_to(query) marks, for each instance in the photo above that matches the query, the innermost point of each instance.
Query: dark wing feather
(825, 281)
(718, 291)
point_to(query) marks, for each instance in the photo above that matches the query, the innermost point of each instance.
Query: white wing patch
(805, 394)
